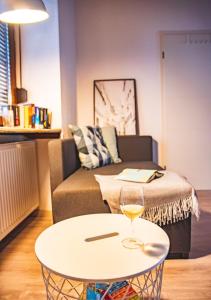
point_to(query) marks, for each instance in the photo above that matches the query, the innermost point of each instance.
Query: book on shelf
(16, 115)
(28, 115)
(25, 115)
(9, 115)
(139, 175)
(21, 113)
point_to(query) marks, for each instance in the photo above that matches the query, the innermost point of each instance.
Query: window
(6, 63)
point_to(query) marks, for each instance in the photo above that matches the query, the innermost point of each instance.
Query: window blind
(5, 82)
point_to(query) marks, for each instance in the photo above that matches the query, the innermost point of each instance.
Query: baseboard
(10, 236)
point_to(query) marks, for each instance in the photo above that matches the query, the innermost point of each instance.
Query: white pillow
(109, 137)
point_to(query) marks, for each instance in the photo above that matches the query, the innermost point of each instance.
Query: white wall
(41, 78)
(49, 61)
(67, 61)
(48, 71)
(117, 39)
(41, 62)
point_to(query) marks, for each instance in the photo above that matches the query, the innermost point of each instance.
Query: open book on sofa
(139, 175)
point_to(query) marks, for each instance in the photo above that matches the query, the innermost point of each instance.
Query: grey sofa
(75, 191)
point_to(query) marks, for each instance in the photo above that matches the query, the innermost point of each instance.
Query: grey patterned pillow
(92, 150)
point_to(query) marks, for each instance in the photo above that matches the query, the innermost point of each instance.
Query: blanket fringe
(170, 212)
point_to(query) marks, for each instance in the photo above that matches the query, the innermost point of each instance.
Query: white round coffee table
(75, 265)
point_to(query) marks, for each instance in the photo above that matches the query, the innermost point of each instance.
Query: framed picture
(115, 104)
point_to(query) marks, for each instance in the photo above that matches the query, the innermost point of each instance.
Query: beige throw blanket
(167, 199)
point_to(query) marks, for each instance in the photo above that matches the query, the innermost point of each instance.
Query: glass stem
(132, 228)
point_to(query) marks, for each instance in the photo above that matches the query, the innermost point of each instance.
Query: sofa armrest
(63, 160)
(135, 148)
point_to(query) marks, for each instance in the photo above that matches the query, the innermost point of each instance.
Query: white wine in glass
(132, 206)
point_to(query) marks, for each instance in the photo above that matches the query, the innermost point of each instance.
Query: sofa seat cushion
(80, 194)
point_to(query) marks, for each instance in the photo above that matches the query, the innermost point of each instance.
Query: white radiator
(19, 194)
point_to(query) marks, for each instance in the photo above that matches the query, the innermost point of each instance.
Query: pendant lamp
(22, 11)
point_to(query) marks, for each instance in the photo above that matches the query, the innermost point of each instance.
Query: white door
(186, 79)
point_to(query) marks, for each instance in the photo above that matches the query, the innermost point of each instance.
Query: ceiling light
(22, 11)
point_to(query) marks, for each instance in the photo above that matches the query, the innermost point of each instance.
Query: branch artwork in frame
(115, 105)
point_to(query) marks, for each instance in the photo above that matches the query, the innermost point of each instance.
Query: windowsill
(28, 130)
(16, 134)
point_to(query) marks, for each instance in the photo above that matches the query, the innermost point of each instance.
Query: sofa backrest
(135, 148)
(64, 160)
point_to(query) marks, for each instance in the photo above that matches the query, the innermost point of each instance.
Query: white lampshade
(22, 11)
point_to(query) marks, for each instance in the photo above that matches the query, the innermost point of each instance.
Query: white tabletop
(62, 248)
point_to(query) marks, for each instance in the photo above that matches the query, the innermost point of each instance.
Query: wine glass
(132, 206)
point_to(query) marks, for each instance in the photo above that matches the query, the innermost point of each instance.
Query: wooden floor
(189, 279)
